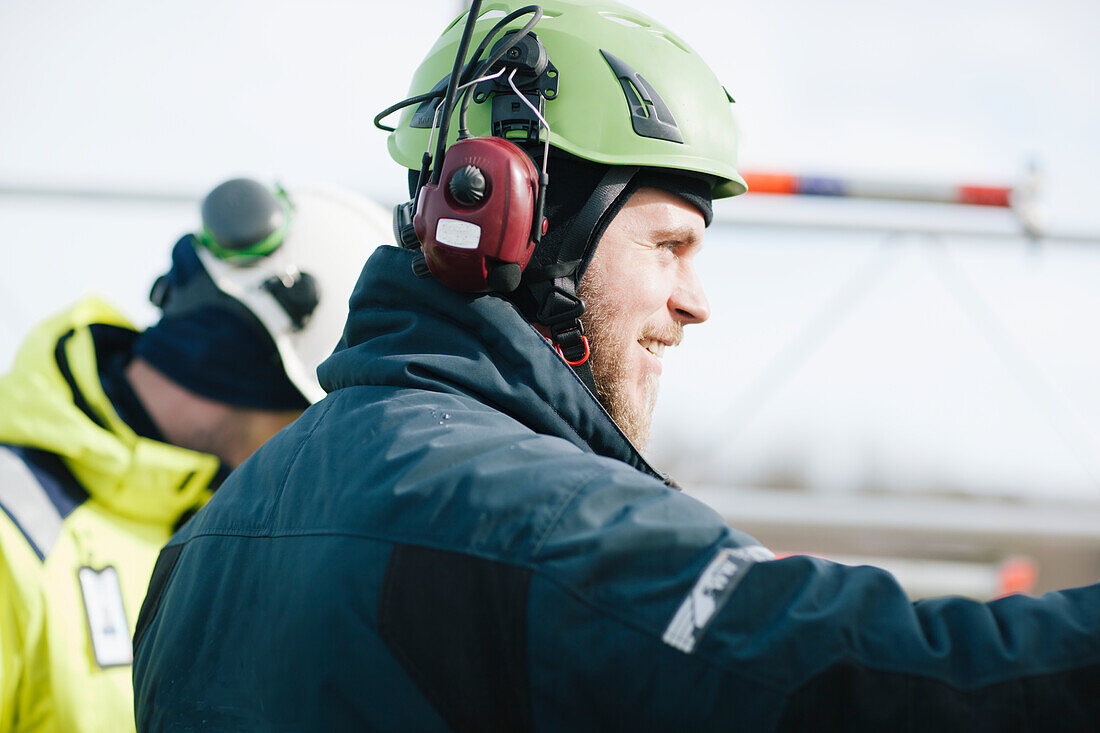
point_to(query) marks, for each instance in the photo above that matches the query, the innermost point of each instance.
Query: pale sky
(964, 363)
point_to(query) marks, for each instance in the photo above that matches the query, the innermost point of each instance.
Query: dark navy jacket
(459, 537)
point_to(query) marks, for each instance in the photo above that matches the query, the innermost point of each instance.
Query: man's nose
(688, 302)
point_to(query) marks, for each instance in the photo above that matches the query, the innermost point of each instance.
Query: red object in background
(1017, 575)
(985, 195)
(771, 183)
(866, 188)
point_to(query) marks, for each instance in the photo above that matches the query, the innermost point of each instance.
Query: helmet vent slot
(674, 41)
(489, 13)
(637, 105)
(649, 115)
(623, 20)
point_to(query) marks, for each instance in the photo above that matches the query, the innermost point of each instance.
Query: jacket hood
(53, 400)
(404, 331)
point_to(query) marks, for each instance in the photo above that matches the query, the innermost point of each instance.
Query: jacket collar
(53, 400)
(405, 331)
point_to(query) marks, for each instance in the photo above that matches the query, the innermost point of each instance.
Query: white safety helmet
(291, 258)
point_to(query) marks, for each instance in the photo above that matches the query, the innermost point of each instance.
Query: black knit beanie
(223, 354)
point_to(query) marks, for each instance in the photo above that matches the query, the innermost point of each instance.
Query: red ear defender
(476, 224)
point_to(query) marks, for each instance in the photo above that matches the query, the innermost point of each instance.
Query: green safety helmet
(630, 92)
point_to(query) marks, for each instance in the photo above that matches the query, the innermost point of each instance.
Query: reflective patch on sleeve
(28, 505)
(711, 591)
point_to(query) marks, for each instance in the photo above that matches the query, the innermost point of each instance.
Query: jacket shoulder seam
(293, 461)
(553, 522)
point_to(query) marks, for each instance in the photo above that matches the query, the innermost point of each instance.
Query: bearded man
(464, 536)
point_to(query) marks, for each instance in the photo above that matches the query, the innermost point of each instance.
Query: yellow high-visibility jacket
(85, 506)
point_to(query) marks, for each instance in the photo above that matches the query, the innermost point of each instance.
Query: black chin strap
(584, 227)
(554, 287)
(584, 371)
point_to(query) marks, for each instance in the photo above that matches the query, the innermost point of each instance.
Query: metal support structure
(1021, 199)
(1023, 206)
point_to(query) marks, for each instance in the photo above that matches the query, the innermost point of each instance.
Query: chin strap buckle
(571, 344)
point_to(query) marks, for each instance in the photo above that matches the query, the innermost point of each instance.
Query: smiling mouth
(657, 348)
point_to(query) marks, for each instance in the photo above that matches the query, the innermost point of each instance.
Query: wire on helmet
(497, 56)
(471, 70)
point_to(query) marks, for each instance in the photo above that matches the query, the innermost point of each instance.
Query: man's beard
(609, 345)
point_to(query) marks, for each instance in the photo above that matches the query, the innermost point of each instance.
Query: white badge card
(106, 616)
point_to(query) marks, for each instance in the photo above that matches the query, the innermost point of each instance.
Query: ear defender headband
(477, 214)
(477, 208)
